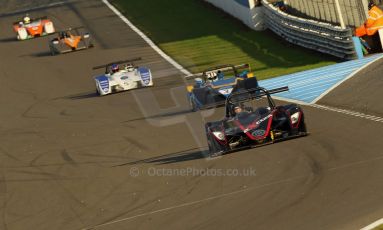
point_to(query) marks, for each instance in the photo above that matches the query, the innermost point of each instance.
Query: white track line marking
(345, 79)
(349, 112)
(146, 39)
(373, 225)
(333, 109)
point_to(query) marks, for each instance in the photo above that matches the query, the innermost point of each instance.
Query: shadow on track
(79, 96)
(10, 39)
(181, 156)
(162, 115)
(42, 54)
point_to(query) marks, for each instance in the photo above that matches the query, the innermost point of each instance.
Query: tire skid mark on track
(55, 180)
(80, 150)
(195, 202)
(316, 169)
(6, 153)
(313, 179)
(355, 163)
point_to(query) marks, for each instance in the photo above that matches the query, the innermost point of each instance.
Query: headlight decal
(219, 135)
(295, 118)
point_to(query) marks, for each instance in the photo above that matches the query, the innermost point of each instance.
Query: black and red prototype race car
(252, 119)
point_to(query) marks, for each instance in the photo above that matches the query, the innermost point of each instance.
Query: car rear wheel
(302, 126)
(98, 90)
(215, 148)
(53, 52)
(193, 105)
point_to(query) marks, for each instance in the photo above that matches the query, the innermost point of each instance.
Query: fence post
(340, 15)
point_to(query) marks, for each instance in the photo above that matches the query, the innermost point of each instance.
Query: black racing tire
(215, 148)
(302, 127)
(193, 106)
(53, 53)
(98, 90)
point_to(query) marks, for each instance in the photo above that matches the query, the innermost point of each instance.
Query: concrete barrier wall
(244, 10)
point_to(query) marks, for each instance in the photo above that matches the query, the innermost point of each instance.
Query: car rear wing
(70, 29)
(276, 90)
(75, 29)
(260, 91)
(217, 68)
(250, 94)
(254, 93)
(118, 62)
(32, 19)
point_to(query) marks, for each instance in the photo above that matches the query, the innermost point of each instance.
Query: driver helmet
(129, 67)
(370, 5)
(63, 34)
(198, 82)
(27, 19)
(237, 108)
(114, 68)
(220, 75)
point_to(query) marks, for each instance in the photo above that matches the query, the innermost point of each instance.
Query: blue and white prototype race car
(214, 85)
(122, 76)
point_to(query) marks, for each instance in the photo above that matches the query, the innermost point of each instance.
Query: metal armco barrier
(319, 36)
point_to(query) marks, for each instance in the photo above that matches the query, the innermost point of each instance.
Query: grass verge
(198, 35)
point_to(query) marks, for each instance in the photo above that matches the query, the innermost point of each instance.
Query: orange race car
(30, 28)
(70, 40)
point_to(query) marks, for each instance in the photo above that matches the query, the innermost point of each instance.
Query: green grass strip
(198, 36)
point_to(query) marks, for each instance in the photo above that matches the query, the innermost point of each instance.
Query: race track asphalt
(69, 158)
(362, 93)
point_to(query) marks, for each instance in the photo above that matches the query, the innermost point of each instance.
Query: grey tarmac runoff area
(67, 155)
(362, 94)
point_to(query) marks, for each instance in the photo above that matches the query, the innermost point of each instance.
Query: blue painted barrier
(358, 47)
